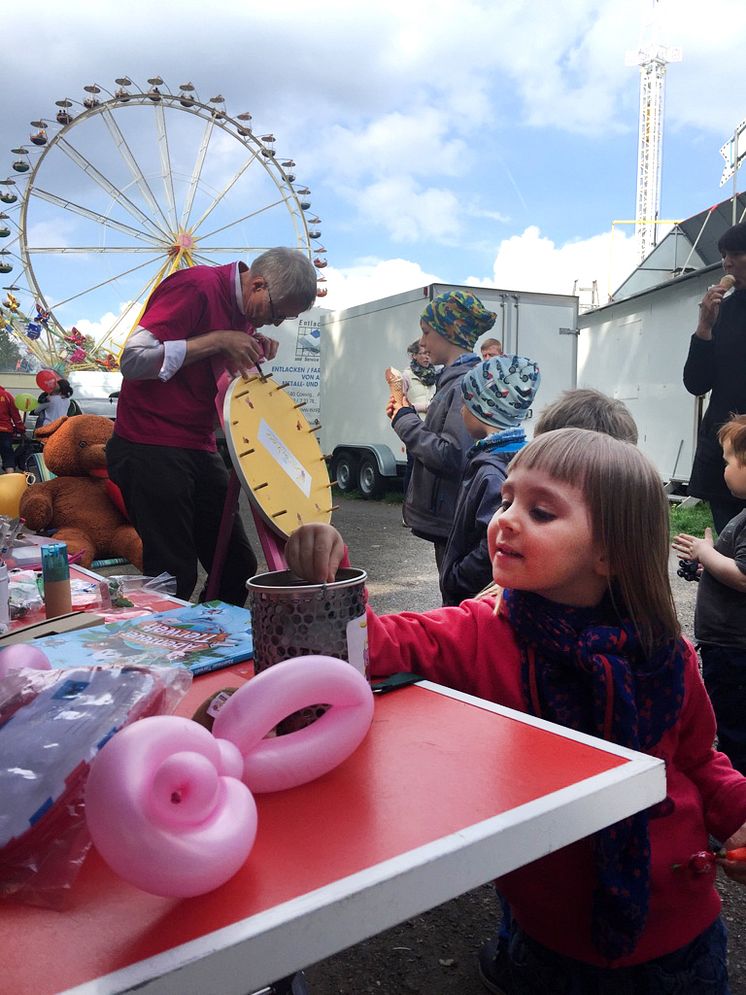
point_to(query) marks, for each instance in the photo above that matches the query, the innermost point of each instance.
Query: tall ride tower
(652, 58)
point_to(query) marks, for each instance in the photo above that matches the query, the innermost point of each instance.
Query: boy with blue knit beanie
(497, 396)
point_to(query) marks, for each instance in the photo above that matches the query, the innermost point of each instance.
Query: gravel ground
(435, 953)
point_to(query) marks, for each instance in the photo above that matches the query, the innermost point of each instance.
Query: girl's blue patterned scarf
(584, 668)
(425, 374)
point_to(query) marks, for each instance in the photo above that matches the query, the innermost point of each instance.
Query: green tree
(10, 354)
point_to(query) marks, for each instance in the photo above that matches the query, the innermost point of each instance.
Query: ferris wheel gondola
(122, 188)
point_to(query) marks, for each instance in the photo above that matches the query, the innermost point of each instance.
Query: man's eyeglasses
(275, 317)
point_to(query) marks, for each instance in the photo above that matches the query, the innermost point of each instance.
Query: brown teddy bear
(81, 502)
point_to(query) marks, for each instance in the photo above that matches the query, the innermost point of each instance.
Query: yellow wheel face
(276, 454)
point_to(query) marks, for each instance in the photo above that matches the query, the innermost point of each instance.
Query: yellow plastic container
(12, 486)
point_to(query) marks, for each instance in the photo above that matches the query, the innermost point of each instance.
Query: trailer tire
(344, 471)
(370, 483)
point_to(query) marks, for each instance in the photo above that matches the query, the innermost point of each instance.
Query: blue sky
(485, 142)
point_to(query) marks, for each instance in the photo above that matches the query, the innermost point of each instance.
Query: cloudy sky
(480, 141)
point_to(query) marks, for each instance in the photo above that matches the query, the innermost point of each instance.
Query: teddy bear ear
(49, 429)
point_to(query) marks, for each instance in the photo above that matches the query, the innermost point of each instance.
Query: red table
(446, 792)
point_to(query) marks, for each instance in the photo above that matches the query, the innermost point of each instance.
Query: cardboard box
(51, 627)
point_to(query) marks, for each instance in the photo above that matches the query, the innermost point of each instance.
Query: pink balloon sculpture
(164, 802)
(19, 656)
(287, 761)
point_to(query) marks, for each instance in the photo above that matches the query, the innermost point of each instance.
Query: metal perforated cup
(290, 618)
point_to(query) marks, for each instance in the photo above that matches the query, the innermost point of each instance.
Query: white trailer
(358, 343)
(635, 350)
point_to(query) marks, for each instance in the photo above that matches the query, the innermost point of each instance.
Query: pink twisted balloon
(165, 808)
(164, 803)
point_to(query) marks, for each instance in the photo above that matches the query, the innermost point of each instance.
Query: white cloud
(528, 262)
(532, 262)
(420, 142)
(111, 328)
(372, 279)
(410, 213)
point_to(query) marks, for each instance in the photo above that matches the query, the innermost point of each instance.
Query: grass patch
(693, 520)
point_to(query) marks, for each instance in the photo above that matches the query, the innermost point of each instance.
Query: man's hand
(709, 308)
(242, 351)
(270, 346)
(314, 552)
(691, 547)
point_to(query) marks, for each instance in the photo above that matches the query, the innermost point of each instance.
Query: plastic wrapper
(52, 724)
(23, 593)
(123, 585)
(89, 594)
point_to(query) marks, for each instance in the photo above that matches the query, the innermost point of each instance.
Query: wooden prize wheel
(276, 454)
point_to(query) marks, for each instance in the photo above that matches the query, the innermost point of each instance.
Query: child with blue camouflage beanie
(497, 396)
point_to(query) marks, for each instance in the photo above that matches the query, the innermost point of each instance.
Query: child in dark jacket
(497, 396)
(720, 615)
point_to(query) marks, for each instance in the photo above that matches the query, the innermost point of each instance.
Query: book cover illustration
(201, 637)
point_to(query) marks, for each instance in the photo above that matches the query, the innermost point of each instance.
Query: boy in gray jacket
(451, 324)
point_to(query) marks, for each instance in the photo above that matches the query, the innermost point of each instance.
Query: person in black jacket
(497, 397)
(451, 324)
(717, 363)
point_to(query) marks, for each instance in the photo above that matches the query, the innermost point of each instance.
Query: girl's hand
(735, 869)
(314, 552)
(690, 546)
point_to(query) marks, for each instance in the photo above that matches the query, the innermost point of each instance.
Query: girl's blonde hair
(628, 510)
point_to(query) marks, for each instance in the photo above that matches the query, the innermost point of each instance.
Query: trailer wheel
(343, 471)
(370, 483)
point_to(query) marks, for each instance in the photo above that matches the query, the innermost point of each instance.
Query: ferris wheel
(119, 189)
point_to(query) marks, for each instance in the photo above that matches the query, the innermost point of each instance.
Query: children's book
(200, 637)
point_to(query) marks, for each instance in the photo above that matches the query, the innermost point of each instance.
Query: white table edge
(247, 955)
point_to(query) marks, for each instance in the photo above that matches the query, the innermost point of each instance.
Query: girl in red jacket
(10, 423)
(585, 634)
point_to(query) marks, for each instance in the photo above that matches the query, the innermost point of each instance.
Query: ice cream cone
(394, 380)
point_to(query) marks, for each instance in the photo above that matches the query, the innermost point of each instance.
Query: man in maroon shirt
(197, 324)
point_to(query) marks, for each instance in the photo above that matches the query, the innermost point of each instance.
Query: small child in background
(490, 348)
(497, 397)
(720, 613)
(586, 635)
(55, 403)
(584, 407)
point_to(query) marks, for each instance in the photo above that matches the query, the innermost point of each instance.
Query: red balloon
(47, 380)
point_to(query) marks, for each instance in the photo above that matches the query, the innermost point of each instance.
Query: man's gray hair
(290, 274)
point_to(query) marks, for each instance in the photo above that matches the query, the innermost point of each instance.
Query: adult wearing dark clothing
(198, 324)
(451, 324)
(717, 363)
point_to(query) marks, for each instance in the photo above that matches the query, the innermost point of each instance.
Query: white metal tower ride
(652, 58)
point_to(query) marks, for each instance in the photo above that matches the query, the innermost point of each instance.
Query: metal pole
(735, 177)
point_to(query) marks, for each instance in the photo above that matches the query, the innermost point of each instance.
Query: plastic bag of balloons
(52, 725)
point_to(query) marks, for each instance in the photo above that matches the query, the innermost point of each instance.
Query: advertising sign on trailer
(297, 364)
